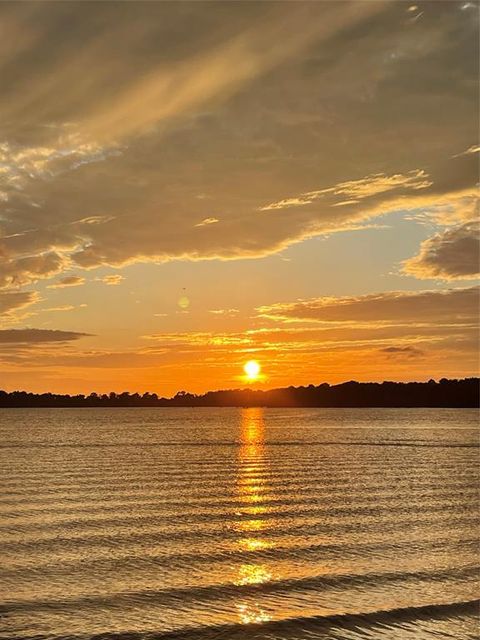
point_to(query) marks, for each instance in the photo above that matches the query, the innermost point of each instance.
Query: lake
(239, 524)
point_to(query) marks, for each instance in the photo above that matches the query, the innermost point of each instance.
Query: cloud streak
(349, 193)
(113, 279)
(450, 306)
(12, 301)
(68, 281)
(37, 336)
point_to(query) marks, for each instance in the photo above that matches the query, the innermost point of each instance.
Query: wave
(172, 597)
(363, 623)
(195, 535)
(231, 518)
(157, 534)
(236, 444)
(326, 550)
(289, 627)
(275, 481)
(328, 489)
(114, 505)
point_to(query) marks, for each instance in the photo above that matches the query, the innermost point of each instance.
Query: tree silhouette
(445, 393)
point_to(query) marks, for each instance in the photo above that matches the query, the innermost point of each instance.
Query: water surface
(232, 524)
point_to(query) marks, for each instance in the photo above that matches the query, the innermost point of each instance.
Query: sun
(252, 369)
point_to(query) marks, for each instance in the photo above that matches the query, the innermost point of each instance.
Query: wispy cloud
(357, 190)
(206, 221)
(396, 307)
(35, 336)
(224, 312)
(170, 91)
(403, 352)
(68, 281)
(65, 307)
(13, 301)
(113, 279)
(408, 319)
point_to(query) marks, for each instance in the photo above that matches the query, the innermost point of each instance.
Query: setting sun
(252, 369)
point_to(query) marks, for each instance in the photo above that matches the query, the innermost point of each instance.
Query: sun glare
(252, 369)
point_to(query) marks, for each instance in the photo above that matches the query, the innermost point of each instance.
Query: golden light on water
(252, 487)
(253, 574)
(249, 614)
(254, 544)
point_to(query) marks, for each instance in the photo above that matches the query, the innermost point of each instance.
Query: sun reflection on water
(253, 574)
(252, 614)
(254, 544)
(252, 486)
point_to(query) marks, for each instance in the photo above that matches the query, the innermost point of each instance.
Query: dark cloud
(406, 352)
(18, 269)
(36, 336)
(125, 127)
(453, 254)
(68, 281)
(415, 307)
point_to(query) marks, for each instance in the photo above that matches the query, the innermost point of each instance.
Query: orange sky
(188, 186)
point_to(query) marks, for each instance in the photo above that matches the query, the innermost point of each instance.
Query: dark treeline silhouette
(445, 393)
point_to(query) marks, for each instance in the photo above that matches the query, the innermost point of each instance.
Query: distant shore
(446, 393)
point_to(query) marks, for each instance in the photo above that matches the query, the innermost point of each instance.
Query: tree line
(444, 393)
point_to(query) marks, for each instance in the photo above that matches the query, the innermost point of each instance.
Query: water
(232, 524)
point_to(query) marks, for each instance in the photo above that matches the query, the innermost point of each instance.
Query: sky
(186, 186)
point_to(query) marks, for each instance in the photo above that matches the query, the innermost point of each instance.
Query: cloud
(19, 164)
(11, 301)
(452, 210)
(183, 59)
(475, 148)
(220, 71)
(453, 254)
(66, 307)
(201, 338)
(224, 312)
(68, 281)
(112, 279)
(402, 352)
(18, 270)
(207, 221)
(411, 320)
(450, 306)
(409, 335)
(95, 359)
(357, 190)
(36, 336)
(346, 109)
(312, 340)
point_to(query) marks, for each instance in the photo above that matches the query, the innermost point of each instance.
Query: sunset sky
(188, 186)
